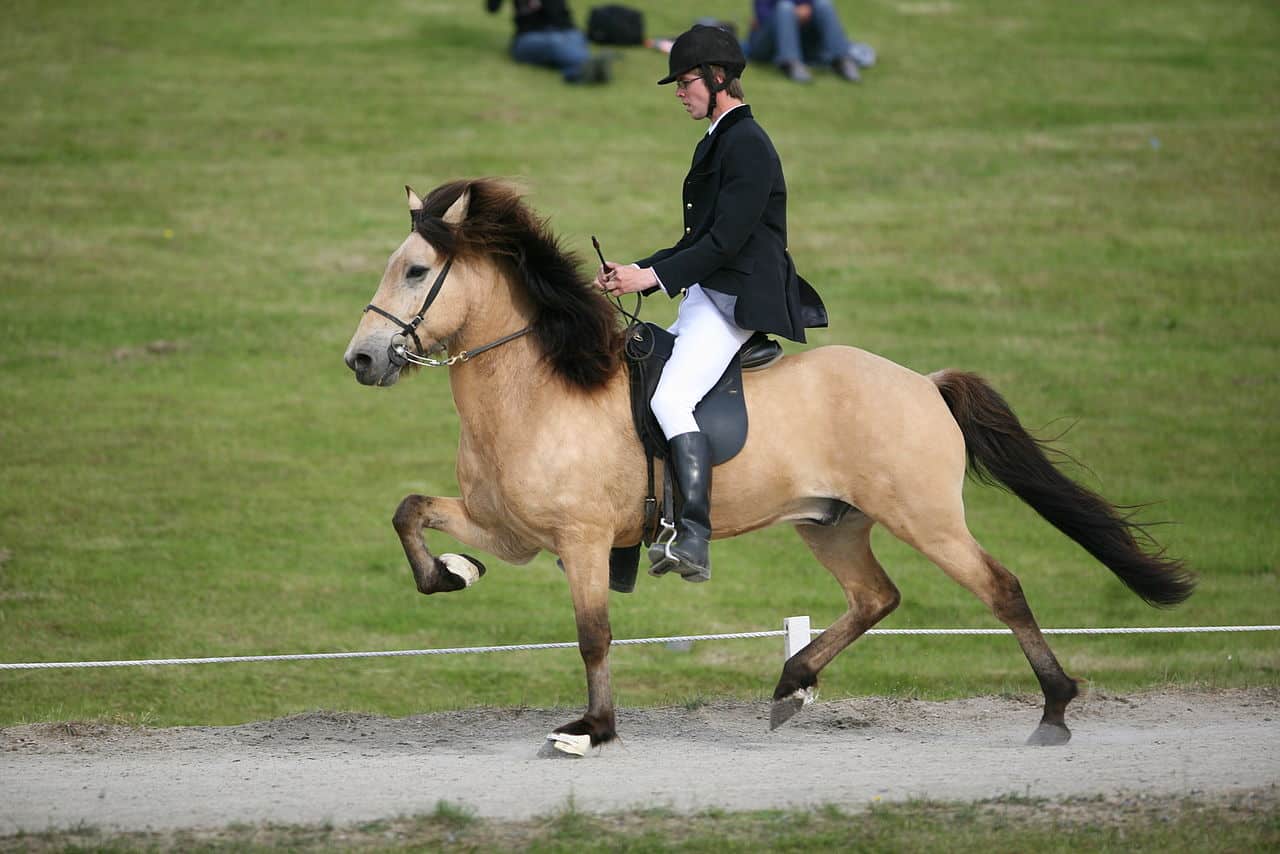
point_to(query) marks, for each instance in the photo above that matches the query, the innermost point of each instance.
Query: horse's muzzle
(371, 370)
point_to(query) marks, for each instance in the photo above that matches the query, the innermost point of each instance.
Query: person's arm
(650, 260)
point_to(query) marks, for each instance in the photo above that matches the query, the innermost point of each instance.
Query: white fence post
(797, 634)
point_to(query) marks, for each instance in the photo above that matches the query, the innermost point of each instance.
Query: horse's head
(420, 303)
(480, 269)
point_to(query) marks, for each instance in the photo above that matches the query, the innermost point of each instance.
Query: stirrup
(662, 559)
(665, 561)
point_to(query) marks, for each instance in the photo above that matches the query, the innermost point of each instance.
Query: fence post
(797, 634)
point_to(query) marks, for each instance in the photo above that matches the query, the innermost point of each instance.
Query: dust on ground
(339, 769)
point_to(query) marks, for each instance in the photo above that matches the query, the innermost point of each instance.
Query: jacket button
(689, 206)
(687, 230)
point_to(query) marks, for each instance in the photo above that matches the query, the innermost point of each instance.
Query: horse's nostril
(360, 362)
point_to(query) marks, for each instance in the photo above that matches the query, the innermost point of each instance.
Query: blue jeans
(782, 40)
(564, 50)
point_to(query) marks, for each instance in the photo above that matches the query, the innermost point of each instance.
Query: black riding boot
(687, 554)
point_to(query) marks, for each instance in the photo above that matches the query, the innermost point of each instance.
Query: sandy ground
(344, 768)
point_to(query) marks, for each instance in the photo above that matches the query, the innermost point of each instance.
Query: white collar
(717, 122)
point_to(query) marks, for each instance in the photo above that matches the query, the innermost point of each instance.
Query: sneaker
(863, 54)
(847, 68)
(796, 72)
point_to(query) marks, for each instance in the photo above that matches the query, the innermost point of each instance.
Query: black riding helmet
(701, 48)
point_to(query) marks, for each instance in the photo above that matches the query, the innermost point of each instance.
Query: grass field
(1080, 201)
(1007, 824)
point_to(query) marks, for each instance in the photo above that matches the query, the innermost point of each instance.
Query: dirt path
(343, 768)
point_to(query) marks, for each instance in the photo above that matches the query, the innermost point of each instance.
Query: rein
(399, 354)
(633, 318)
(464, 356)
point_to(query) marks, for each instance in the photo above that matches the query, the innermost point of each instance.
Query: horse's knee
(410, 513)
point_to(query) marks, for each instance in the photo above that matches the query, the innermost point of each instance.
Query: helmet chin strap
(713, 87)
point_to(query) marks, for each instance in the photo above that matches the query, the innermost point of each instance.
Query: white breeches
(706, 339)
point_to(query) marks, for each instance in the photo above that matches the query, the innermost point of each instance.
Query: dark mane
(576, 326)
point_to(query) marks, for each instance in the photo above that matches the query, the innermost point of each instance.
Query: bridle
(400, 355)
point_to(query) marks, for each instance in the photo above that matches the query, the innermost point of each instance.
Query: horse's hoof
(785, 708)
(463, 569)
(1049, 735)
(560, 745)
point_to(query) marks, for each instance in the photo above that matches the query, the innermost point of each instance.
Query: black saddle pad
(722, 414)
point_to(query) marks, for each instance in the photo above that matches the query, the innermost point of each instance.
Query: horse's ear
(457, 211)
(415, 201)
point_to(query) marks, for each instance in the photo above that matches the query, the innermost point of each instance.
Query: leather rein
(400, 355)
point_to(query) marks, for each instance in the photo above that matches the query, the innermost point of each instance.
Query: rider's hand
(628, 280)
(604, 276)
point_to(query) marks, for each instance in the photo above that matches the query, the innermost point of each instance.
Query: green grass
(1079, 201)
(1244, 823)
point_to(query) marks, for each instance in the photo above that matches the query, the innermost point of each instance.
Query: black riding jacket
(735, 232)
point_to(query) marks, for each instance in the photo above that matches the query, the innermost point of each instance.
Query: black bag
(615, 24)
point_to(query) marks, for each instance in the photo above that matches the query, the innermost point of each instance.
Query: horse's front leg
(449, 571)
(586, 565)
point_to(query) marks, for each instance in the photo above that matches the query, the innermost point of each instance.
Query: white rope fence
(796, 630)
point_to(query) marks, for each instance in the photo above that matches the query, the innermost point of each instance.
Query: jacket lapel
(704, 145)
(708, 142)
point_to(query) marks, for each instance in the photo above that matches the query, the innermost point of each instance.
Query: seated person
(545, 36)
(791, 33)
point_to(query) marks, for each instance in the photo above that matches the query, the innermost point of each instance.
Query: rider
(731, 264)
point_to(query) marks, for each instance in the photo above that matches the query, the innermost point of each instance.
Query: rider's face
(692, 91)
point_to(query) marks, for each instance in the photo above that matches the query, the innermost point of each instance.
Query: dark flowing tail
(1002, 453)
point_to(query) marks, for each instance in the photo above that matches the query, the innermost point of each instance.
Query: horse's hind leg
(964, 560)
(845, 550)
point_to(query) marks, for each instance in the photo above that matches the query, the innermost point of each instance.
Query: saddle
(722, 415)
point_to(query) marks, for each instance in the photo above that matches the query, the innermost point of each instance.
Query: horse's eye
(417, 271)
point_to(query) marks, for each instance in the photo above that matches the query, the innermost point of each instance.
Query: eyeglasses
(683, 85)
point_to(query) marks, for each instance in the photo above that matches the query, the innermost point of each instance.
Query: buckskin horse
(840, 440)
